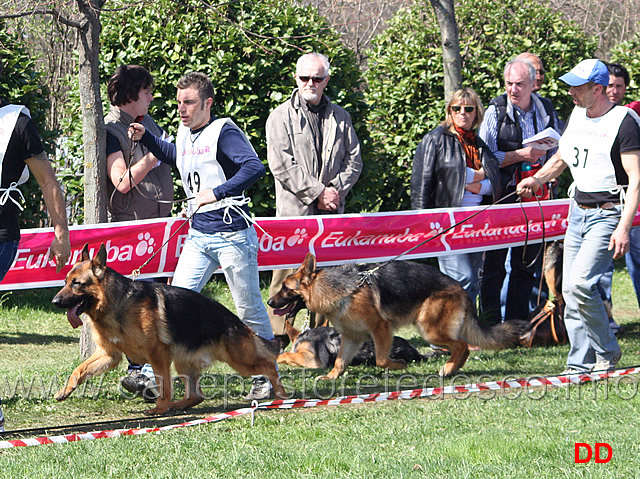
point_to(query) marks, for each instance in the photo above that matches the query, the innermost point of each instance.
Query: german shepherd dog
(318, 348)
(369, 300)
(157, 324)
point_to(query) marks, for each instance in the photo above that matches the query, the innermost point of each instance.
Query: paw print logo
(298, 237)
(436, 227)
(145, 245)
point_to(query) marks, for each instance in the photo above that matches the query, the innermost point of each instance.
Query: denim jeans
(464, 268)
(605, 282)
(586, 259)
(8, 250)
(633, 260)
(237, 254)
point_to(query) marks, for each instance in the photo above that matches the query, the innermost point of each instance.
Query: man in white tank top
(601, 147)
(217, 164)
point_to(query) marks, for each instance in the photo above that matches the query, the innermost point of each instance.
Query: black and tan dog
(363, 300)
(319, 347)
(157, 324)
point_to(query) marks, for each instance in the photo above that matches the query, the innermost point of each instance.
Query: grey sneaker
(139, 384)
(261, 388)
(607, 365)
(1, 421)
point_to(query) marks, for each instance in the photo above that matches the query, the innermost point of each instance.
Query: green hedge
(22, 84)
(249, 49)
(405, 79)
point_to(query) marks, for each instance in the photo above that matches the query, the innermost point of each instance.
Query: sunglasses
(467, 108)
(305, 79)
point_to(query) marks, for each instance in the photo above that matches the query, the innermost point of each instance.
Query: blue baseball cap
(586, 71)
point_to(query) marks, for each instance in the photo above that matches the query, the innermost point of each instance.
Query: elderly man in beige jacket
(313, 153)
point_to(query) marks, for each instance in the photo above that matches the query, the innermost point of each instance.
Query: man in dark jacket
(511, 118)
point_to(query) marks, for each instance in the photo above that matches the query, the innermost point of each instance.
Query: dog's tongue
(282, 311)
(73, 317)
(285, 310)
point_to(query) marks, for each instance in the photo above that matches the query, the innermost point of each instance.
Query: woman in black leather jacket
(452, 168)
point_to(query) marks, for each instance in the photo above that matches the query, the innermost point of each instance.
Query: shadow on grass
(31, 338)
(631, 330)
(136, 422)
(39, 299)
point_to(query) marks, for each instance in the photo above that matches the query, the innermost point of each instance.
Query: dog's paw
(156, 411)
(333, 374)
(62, 395)
(392, 364)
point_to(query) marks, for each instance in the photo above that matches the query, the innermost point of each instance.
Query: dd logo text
(587, 452)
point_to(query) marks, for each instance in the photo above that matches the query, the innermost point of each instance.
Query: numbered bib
(8, 118)
(586, 146)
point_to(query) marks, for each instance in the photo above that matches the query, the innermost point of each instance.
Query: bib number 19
(193, 182)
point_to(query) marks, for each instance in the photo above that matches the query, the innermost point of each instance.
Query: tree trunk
(93, 132)
(452, 62)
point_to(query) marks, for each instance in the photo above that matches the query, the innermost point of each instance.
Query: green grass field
(511, 433)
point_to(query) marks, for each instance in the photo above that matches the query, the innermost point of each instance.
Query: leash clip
(367, 275)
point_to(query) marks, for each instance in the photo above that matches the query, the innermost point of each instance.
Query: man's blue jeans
(237, 254)
(464, 268)
(633, 259)
(8, 250)
(586, 258)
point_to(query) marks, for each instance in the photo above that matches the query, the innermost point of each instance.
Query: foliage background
(248, 49)
(405, 77)
(627, 53)
(21, 83)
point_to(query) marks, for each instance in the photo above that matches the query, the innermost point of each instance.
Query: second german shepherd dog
(362, 301)
(319, 347)
(158, 324)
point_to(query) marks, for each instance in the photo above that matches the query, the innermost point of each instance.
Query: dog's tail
(500, 336)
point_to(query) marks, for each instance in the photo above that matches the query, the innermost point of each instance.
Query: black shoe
(137, 383)
(615, 327)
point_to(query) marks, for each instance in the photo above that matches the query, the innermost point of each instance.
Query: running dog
(158, 324)
(318, 348)
(369, 300)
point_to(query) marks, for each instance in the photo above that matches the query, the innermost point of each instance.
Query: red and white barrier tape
(88, 436)
(438, 391)
(554, 381)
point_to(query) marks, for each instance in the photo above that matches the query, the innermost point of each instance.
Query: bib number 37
(580, 159)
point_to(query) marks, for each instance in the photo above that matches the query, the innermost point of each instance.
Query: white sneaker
(261, 388)
(607, 365)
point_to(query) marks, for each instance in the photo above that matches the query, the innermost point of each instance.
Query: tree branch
(45, 11)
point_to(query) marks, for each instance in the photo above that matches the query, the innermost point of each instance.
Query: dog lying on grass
(158, 324)
(318, 348)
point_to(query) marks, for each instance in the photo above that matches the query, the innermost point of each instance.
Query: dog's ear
(309, 264)
(99, 263)
(85, 252)
(292, 332)
(308, 269)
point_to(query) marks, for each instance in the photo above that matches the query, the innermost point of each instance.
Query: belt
(605, 206)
